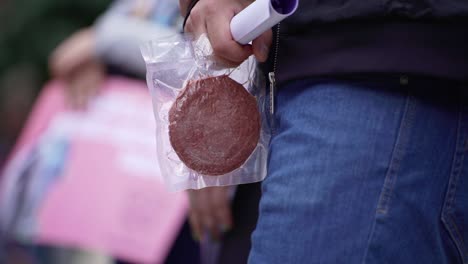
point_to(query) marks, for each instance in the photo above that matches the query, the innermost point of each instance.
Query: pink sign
(101, 186)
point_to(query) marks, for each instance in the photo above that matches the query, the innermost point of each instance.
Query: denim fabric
(369, 171)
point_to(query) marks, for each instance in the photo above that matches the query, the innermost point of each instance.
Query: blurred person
(114, 41)
(30, 29)
(368, 163)
(112, 45)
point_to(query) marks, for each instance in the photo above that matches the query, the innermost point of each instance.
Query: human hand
(74, 62)
(213, 17)
(84, 83)
(210, 212)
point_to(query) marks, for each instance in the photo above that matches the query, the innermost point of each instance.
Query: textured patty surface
(214, 125)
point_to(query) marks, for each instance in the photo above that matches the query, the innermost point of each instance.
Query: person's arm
(209, 208)
(118, 39)
(119, 35)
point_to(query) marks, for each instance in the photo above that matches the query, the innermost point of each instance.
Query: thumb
(261, 46)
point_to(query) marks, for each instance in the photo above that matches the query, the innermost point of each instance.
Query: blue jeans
(369, 171)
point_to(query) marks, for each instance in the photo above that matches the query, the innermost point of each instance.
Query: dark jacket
(339, 37)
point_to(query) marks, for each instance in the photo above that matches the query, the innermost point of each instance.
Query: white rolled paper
(260, 16)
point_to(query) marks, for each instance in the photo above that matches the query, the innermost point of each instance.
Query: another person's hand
(84, 82)
(74, 62)
(210, 212)
(213, 17)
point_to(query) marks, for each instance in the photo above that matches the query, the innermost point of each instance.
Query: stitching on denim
(397, 156)
(372, 231)
(456, 236)
(456, 168)
(463, 252)
(447, 217)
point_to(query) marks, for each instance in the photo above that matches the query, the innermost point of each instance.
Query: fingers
(210, 226)
(74, 95)
(210, 213)
(198, 206)
(195, 225)
(213, 18)
(222, 208)
(261, 46)
(227, 50)
(83, 84)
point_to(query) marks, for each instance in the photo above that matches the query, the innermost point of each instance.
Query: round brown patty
(214, 125)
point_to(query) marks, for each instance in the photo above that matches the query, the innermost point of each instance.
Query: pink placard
(108, 196)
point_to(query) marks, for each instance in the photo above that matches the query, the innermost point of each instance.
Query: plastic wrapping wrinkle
(214, 125)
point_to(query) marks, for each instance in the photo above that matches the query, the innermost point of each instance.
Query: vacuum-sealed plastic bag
(211, 121)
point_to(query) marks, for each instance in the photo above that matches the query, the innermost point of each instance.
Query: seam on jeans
(447, 216)
(396, 144)
(461, 246)
(399, 150)
(456, 168)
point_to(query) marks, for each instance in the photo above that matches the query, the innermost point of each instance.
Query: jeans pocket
(455, 210)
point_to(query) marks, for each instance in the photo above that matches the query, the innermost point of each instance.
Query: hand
(213, 17)
(210, 212)
(74, 62)
(84, 83)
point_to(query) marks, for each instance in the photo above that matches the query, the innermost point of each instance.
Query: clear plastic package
(210, 131)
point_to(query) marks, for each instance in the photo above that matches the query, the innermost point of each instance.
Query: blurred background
(30, 30)
(79, 179)
(67, 69)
